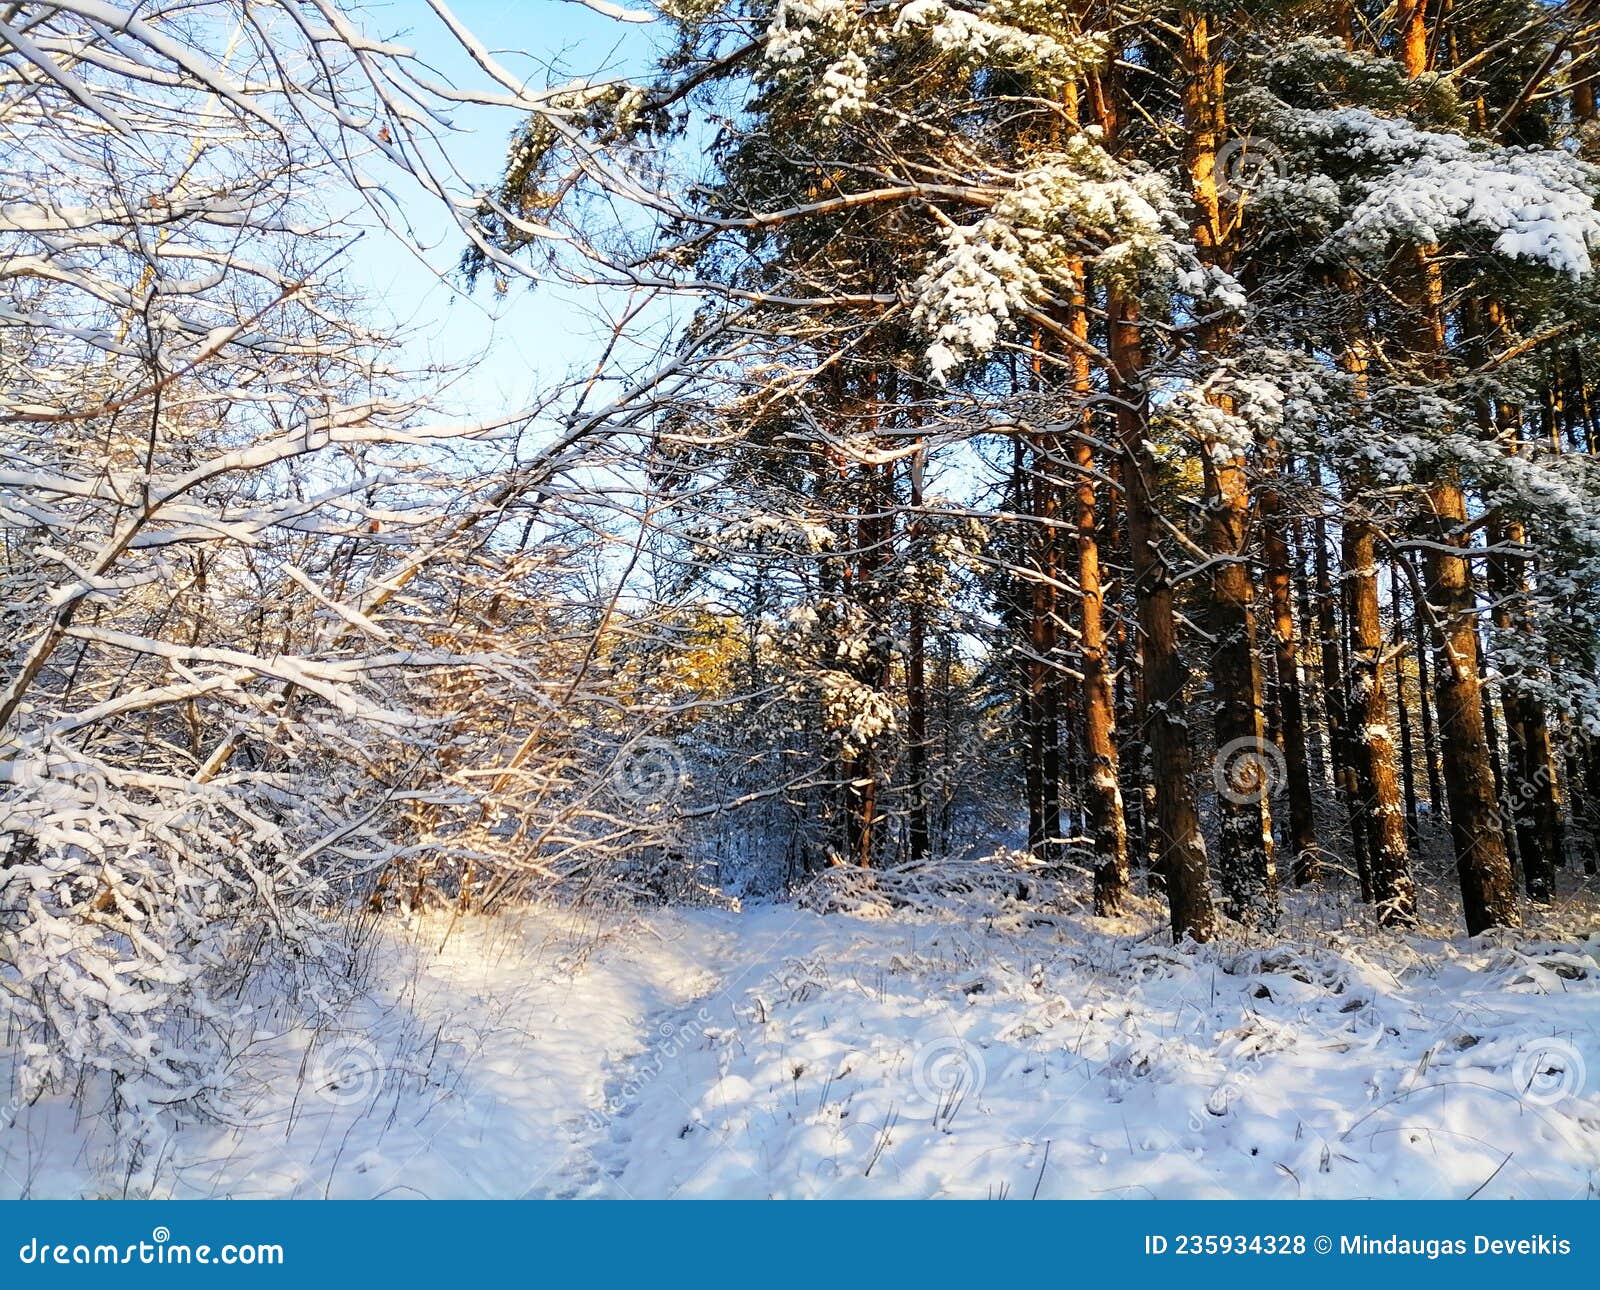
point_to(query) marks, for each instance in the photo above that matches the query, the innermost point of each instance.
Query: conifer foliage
(1208, 387)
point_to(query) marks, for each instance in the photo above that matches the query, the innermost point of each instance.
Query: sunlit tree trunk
(1488, 895)
(1177, 817)
(1246, 864)
(1393, 890)
(1102, 790)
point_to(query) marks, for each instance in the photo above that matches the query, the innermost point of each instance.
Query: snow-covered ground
(779, 1052)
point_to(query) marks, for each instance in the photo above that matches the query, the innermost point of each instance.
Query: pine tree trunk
(1291, 712)
(1245, 773)
(1408, 769)
(1535, 812)
(1177, 817)
(1393, 890)
(1102, 789)
(1589, 786)
(917, 694)
(1030, 673)
(874, 537)
(1583, 96)
(1319, 734)
(1488, 895)
(949, 726)
(1046, 597)
(1333, 701)
(1582, 782)
(1170, 812)
(1437, 808)
(1133, 755)
(1497, 763)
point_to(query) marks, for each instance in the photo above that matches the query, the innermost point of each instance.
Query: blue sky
(511, 347)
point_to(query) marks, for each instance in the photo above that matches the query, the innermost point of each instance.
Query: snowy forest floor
(1006, 1052)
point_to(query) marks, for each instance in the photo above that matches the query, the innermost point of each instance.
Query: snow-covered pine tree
(1298, 273)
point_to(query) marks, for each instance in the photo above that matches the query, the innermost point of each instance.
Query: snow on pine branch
(1074, 209)
(992, 34)
(1533, 205)
(850, 53)
(977, 285)
(1409, 184)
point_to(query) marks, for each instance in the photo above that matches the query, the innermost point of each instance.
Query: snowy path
(779, 1053)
